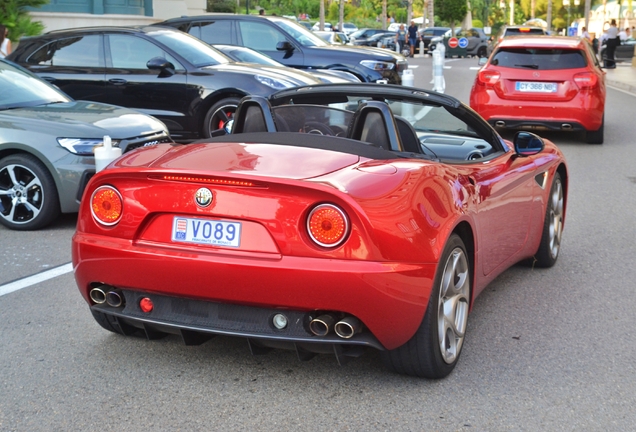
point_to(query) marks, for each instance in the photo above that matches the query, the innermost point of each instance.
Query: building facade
(62, 14)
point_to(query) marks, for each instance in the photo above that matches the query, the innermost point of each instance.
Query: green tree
(221, 6)
(451, 11)
(15, 16)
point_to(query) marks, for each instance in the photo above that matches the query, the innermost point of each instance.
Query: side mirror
(284, 46)
(482, 61)
(528, 144)
(164, 67)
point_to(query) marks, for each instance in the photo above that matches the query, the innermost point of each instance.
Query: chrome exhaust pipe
(566, 126)
(98, 295)
(114, 298)
(347, 327)
(322, 325)
(500, 123)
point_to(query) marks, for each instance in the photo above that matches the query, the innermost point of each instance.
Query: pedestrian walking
(400, 38)
(414, 36)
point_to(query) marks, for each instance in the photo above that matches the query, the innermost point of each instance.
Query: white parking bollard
(439, 84)
(421, 54)
(408, 79)
(105, 154)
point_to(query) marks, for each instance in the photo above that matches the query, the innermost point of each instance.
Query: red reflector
(489, 77)
(106, 205)
(145, 304)
(585, 79)
(327, 225)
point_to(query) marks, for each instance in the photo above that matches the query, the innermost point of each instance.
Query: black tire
(482, 52)
(550, 245)
(218, 115)
(423, 355)
(30, 200)
(596, 137)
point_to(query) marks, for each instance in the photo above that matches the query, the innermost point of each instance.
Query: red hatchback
(542, 82)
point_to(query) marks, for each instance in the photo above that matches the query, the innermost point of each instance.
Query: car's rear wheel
(550, 245)
(482, 52)
(434, 350)
(28, 196)
(596, 137)
(218, 116)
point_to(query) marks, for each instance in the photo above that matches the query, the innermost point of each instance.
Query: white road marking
(36, 278)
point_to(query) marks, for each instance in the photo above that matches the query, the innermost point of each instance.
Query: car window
(539, 58)
(260, 36)
(132, 52)
(214, 32)
(81, 51)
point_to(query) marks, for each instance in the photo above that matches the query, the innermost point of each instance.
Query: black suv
(190, 86)
(292, 44)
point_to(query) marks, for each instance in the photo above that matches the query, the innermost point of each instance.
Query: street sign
(463, 42)
(453, 42)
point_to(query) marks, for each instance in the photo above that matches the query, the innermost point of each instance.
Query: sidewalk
(623, 77)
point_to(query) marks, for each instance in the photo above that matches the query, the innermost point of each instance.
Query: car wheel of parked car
(434, 350)
(28, 196)
(482, 52)
(550, 245)
(218, 116)
(596, 137)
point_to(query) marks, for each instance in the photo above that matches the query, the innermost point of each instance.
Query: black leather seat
(408, 136)
(254, 114)
(373, 122)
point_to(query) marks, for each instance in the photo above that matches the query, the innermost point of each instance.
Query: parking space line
(36, 278)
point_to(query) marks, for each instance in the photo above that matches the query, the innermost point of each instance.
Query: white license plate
(538, 87)
(206, 231)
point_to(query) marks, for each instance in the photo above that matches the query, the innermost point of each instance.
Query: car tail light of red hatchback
(585, 79)
(106, 205)
(489, 77)
(327, 225)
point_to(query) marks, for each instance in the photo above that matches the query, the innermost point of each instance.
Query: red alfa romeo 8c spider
(325, 219)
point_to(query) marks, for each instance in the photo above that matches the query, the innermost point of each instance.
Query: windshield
(20, 89)
(300, 33)
(195, 51)
(247, 55)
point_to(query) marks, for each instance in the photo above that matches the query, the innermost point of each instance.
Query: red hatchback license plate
(206, 231)
(536, 87)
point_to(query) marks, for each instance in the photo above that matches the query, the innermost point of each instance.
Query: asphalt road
(546, 349)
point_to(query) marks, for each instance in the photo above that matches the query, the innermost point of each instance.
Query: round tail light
(106, 205)
(327, 225)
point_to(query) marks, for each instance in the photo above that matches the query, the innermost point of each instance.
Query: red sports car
(333, 218)
(542, 82)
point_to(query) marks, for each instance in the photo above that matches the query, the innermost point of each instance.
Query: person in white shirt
(622, 35)
(5, 43)
(612, 42)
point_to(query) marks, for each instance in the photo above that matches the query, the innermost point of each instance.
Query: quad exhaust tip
(566, 126)
(500, 123)
(98, 295)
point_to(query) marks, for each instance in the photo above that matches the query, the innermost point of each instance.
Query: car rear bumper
(388, 298)
(581, 113)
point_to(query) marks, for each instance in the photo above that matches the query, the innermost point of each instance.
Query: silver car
(46, 146)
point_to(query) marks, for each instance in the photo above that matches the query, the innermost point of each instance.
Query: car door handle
(48, 78)
(117, 81)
